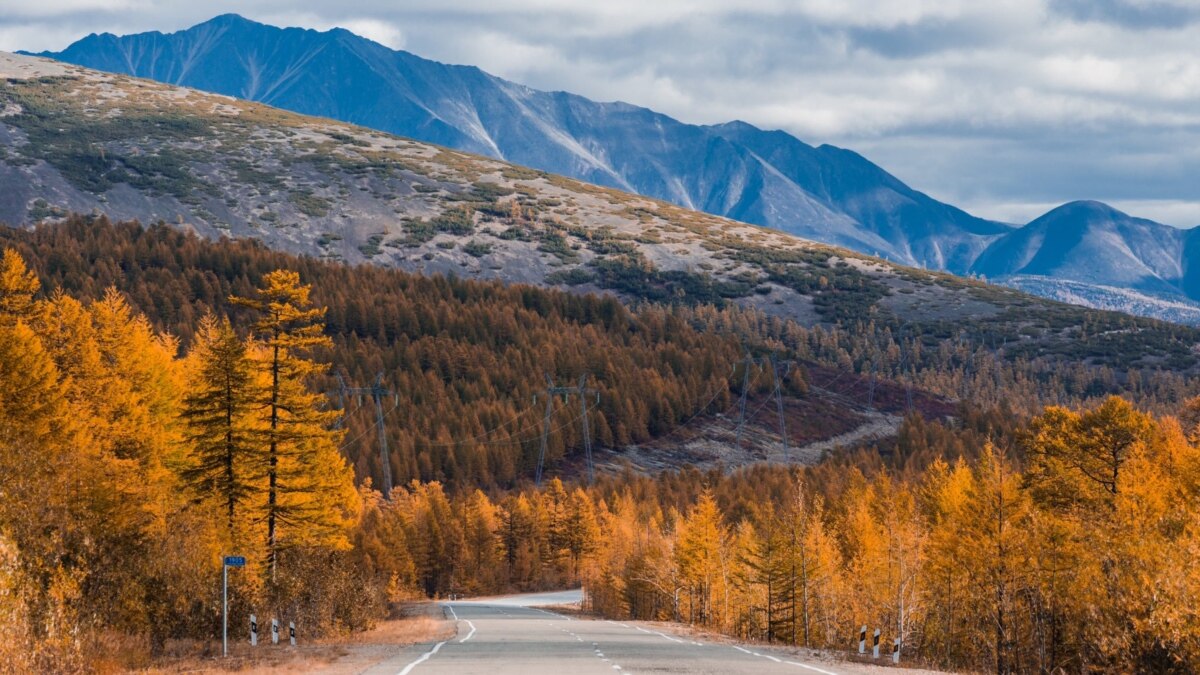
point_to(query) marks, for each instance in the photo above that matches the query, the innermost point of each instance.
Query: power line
(583, 392)
(377, 392)
(775, 365)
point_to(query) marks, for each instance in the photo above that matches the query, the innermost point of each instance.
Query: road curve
(511, 636)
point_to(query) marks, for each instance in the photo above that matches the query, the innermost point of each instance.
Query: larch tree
(700, 556)
(309, 486)
(18, 286)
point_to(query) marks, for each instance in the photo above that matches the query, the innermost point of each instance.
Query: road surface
(512, 636)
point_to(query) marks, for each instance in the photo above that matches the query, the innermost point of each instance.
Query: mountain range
(735, 170)
(80, 141)
(1082, 252)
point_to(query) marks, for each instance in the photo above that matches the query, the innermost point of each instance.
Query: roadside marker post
(292, 632)
(274, 631)
(875, 653)
(253, 631)
(862, 641)
(227, 562)
(896, 651)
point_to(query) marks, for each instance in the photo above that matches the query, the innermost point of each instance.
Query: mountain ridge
(615, 144)
(733, 169)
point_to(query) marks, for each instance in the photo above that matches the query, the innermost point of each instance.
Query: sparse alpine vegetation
(76, 140)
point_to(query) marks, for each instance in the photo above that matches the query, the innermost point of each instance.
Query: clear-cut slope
(735, 170)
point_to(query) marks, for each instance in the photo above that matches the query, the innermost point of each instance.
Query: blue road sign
(235, 561)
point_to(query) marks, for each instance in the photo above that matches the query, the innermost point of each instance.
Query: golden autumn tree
(701, 558)
(18, 286)
(983, 529)
(309, 493)
(1116, 490)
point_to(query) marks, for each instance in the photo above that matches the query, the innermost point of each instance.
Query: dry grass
(418, 622)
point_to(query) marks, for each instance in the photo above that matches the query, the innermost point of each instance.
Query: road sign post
(226, 563)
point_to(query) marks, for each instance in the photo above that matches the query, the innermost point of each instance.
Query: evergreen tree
(225, 458)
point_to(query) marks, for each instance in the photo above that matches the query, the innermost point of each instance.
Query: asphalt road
(511, 636)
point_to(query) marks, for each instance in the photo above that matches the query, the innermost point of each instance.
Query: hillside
(76, 140)
(733, 170)
(770, 178)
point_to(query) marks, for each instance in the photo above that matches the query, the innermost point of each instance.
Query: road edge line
(424, 657)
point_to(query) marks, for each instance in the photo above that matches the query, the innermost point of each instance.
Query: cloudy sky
(1003, 107)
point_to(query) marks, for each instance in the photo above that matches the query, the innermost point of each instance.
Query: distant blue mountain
(1082, 252)
(764, 177)
(1091, 242)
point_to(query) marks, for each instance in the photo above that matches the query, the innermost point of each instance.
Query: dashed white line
(423, 659)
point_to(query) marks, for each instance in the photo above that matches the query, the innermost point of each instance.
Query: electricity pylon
(776, 366)
(377, 392)
(583, 392)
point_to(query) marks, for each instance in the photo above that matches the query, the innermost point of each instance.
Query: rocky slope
(77, 140)
(770, 178)
(734, 170)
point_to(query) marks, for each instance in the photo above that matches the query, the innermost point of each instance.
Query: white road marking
(557, 616)
(451, 608)
(805, 665)
(423, 659)
(662, 635)
(468, 634)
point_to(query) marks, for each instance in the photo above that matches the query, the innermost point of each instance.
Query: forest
(166, 401)
(1069, 549)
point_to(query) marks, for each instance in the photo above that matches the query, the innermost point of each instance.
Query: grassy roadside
(412, 623)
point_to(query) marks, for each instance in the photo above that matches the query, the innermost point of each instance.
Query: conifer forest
(168, 400)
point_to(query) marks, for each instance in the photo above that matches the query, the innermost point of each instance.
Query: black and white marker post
(875, 653)
(253, 631)
(229, 561)
(896, 651)
(292, 632)
(274, 631)
(862, 641)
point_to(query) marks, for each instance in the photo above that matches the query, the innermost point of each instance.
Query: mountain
(736, 170)
(1091, 242)
(74, 140)
(1088, 252)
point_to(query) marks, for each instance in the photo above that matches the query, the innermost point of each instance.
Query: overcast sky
(1003, 107)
